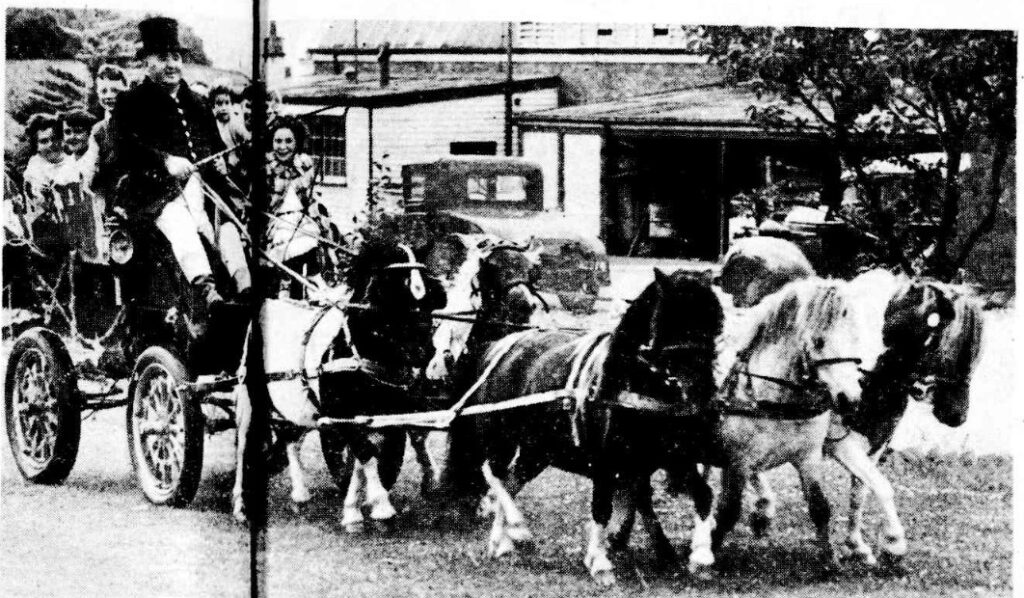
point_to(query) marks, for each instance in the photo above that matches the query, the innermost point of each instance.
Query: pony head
(806, 334)
(669, 334)
(493, 279)
(950, 365)
(916, 315)
(393, 323)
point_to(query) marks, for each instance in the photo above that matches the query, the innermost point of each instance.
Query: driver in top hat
(161, 129)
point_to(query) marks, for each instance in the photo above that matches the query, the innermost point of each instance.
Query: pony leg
(764, 505)
(596, 557)
(377, 497)
(514, 521)
(430, 484)
(243, 420)
(663, 549)
(817, 503)
(620, 525)
(351, 514)
(300, 493)
(855, 544)
(702, 556)
(854, 456)
(730, 507)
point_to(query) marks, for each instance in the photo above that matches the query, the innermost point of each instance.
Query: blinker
(933, 319)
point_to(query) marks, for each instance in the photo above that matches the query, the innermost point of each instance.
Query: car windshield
(502, 188)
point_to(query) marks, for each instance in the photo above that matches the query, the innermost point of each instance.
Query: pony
(929, 336)
(630, 402)
(494, 282)
(338, 358)
(756, 267)
(794, 363)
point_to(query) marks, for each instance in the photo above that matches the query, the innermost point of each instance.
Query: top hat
(158, 35)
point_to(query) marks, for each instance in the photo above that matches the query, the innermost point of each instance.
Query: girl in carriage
(293, 233)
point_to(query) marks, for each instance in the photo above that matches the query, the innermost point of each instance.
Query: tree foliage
(882, 94)
(94, 36)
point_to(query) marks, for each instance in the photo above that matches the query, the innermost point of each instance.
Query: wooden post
(508, 94)
(723, 209)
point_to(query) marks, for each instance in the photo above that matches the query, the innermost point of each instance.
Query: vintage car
(505, 197)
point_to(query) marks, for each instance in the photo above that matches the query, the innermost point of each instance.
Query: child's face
(76, 139)
(48, 144)
(107, 90)
(222, 106)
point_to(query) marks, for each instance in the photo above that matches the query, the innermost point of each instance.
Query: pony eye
(818, 344)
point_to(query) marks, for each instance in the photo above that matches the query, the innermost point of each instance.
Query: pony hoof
(701, 571)
(382, 511)
(759, 524)
(354, 527)
(892, 562)
(500, 547)
(519, 534)
(604, 579)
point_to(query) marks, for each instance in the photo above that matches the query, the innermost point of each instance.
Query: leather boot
(206, 289)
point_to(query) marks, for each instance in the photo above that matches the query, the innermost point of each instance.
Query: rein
(726, 405)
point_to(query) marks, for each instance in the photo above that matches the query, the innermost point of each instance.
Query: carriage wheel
(165, 429)
(340, 459)
(43, 425)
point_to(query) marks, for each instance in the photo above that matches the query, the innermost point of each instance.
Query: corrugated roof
(705, 105)
(400, 91)
(414, 34)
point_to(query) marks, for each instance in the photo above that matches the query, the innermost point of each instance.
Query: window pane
(476, 188)
(416, 184)
(511, 188)
(327, 144)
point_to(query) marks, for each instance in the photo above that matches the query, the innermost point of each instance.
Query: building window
(660, 31)
(327, 146)
(473, 148)
(604, 31)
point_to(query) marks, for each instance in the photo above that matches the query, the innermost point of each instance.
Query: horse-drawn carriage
(163, 356)
(614, 406)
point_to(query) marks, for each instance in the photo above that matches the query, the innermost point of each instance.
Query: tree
(881, 93)
(34, 34)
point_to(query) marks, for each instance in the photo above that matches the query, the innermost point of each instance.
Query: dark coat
(147, 126)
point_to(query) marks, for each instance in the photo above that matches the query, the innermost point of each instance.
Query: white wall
(582, 165)
(418, 133)
(542, 148)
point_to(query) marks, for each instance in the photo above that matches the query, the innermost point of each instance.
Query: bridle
(807, 378)
(500, 294)
(645, 358)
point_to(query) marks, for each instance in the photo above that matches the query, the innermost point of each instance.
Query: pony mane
(872, 291)
(796, 311)
(373, 255)
(959, 346)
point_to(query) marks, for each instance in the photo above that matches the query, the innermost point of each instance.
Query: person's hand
(304, 162)
(179, 168)
(221, 166)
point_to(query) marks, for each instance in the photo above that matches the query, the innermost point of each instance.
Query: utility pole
(255, 490)
(508, 93)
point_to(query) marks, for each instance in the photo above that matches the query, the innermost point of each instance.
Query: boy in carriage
(161, 130)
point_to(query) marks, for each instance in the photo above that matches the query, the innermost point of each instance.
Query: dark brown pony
(635, 404)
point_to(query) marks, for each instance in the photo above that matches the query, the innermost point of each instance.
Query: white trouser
(176, 223)
(182, 221)
(233, 253)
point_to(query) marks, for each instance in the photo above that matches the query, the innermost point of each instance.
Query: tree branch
(1000, 155)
